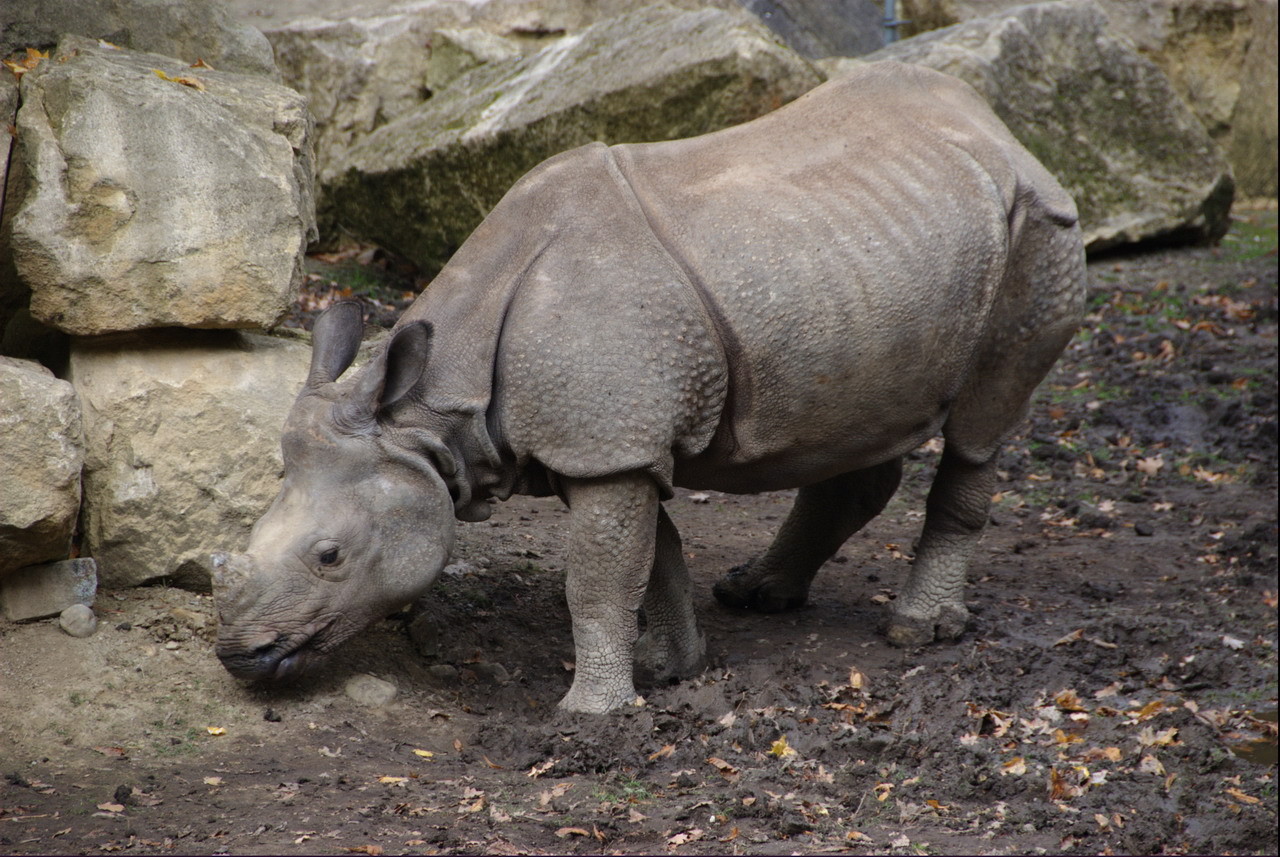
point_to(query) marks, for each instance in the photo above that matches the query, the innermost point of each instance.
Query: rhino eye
(329, 557)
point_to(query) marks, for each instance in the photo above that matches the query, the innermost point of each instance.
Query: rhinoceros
(796, 302)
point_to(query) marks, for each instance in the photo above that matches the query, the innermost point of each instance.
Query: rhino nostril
(266, 648)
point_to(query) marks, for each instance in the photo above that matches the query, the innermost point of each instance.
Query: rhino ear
(406, 359)
(335, 339)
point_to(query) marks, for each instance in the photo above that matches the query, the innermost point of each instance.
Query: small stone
(443, 673)
(1142, 528)
(491, 673)
(271, 716)
(370, 690)
(78, 620)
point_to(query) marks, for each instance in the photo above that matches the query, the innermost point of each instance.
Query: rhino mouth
(284, 659)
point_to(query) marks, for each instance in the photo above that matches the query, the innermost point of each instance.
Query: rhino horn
(230, 573)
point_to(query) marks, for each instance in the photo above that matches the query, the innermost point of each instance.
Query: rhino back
(849, 247)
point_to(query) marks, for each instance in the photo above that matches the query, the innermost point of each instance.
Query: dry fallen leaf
(215, 731)
(882, 791)
(194, 83)
(1068, 700)
(667, 750)
(213, 781)
(1151, 765)
(1017, 766)
(729, 772)
(1074, 636)
(781, 748)
(566, 832)
(111, 807)
(393, 780)
(426, 754)
(1242, 797)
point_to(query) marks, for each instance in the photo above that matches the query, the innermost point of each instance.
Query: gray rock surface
(1253, 139)
(361, 73)
(41, 456)
(41, 591)
(823, 28)
(1219, 55)
(186, 29)
(78, 621)
(183, 445)
(1102, 118)
(154, 203)
(420, 184)
(370, 690)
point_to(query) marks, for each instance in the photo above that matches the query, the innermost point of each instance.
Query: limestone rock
(1253, 138)
(186, 29)
(823, 28)
(41, 591)
(370, 690)
(362, 73)
(420, 184)
(13, 294)
(154, 203)
(41, 456)
(78, 621)
(183, 445)
(1219, 55)
(1102, 118)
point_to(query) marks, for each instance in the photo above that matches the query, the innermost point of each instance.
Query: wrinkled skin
(795, 302)
(310, 578)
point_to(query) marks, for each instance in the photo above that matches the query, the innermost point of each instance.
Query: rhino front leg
(612, 530)
(931, 604)
(824, 516)
(671, 646)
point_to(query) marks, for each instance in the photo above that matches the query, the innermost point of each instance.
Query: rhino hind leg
(931, 603)
(671, 646)
(824, 516)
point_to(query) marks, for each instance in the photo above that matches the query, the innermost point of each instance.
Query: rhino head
(359, 527)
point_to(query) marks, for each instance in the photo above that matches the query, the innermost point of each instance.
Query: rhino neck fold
(462, 452)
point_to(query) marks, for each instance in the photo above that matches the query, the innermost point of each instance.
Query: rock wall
(1101, 117)
(1219, 56)
(422, 182)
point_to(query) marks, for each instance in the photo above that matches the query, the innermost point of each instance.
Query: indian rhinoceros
(798, 301)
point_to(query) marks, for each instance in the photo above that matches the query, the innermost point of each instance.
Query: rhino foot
(746, 588)
(663, 661)
(947, 623)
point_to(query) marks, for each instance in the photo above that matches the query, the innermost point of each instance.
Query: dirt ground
(1115, 694)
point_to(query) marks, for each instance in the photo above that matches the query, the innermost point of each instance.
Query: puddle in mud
(1260, 751)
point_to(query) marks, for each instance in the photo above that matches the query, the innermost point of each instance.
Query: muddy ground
(1115, 694)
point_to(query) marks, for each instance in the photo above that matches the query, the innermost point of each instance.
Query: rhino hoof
(905, 631)
(739, 589)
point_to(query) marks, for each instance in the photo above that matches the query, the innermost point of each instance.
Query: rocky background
(169, 167)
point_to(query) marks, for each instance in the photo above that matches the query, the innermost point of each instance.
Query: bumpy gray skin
(798, 301)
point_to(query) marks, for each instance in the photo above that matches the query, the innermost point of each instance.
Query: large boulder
(420, 184)
(1102, 118)
(159, 194)
(186, 29)
(823, 28)
(1220, 56)
(13, 294)
(41, 456)
(183, 445)
(361, 73)
(1253, 139)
